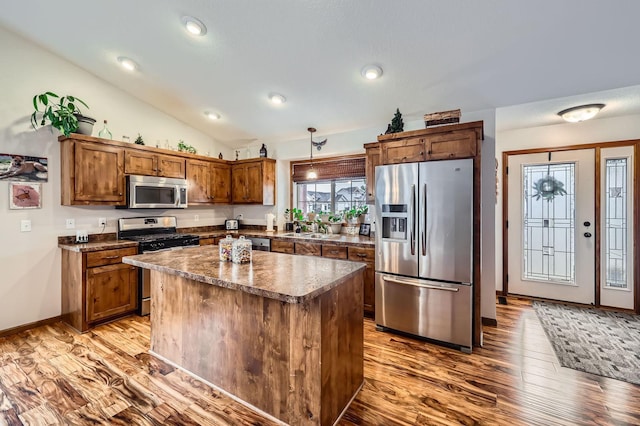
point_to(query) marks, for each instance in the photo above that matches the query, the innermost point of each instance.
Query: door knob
(587, 234)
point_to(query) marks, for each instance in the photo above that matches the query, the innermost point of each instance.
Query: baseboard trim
(25, 327)
(491, 322)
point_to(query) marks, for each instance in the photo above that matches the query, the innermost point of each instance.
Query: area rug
(592, 340)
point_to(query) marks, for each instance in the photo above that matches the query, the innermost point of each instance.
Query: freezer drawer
(430, 309)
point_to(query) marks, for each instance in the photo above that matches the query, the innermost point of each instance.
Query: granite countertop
(291, 279)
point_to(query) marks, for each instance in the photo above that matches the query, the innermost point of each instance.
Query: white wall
(596, 130)
(30, 283)
(352, 143)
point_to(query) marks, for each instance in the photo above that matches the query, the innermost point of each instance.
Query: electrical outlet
(82, 237)
(196, 218)
(71, 223)
(102, 221)
(25, 225)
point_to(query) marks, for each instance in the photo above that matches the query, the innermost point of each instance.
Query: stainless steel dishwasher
(261, 244)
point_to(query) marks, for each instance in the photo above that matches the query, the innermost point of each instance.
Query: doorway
(568, 233)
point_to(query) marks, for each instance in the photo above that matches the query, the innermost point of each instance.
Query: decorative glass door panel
(548, 222)
(616, 223)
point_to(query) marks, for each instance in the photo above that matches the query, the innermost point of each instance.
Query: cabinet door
(111, 290)
(198, 178)
(282, 246)
(171, 167)
(308, 249)
(366, 255)
(239, 183)
(372, 160)
(99, 174)
(254, 182)
(457, 144)
(404, 151)
(221, 183)
(140, 163)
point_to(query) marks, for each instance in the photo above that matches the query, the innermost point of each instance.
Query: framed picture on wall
(23, 195)
(23, 168)
(365, 229)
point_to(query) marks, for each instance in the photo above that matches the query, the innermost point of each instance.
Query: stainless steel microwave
(151, 192)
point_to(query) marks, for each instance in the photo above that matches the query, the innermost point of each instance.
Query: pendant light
(311, 174)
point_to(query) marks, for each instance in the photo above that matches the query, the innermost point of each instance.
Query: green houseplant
(63, 113)
(335, 222)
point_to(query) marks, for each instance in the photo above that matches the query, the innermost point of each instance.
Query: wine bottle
(105, 133)
(263, 151)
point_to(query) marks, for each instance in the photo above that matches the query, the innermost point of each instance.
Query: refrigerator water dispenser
(394, 221)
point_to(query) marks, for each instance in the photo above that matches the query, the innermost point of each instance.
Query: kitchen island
(282, 334)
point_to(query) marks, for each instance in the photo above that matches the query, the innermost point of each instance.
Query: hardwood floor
(52, 375)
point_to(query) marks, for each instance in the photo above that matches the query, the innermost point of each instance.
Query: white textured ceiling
(436, 55)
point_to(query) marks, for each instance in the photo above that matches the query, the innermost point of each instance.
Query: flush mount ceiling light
(580, 113)
(277, 98)
(212, 115)
(127, 63)
(371, 72)
(194, 26)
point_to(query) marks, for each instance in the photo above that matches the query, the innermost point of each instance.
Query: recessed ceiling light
(277, 98)
(127, 63)
(371, 72)
(580, 113)
(194, 26)
(212, 115)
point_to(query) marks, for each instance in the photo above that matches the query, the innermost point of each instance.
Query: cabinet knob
(120, 193)
(421, 152)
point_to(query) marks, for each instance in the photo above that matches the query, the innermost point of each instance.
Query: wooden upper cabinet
(151, 164)
(198, 179)
(91, 173)
(171, 167)
(220, 184)
(372, 159)
(450, 145)
(253, 181)
(404, 151)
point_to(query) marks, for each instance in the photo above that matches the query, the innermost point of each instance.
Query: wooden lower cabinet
(97, 286)
(367, 255)
(282, 246)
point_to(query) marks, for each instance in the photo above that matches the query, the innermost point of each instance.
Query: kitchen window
(340, 185)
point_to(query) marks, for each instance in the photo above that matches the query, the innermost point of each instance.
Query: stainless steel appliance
(261, 244)
(155, 233)
(424, 250)
(231, 224)
(151, 192)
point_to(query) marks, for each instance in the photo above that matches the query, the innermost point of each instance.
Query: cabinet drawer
(206, 241)
(109, 257)
(282, 246)
(308, 249)
(334, 252)
(359, 254)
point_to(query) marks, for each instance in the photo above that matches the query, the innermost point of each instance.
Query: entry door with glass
(551, 229)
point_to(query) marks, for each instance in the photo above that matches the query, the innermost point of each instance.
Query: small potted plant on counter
(335, 222)
(355, 215)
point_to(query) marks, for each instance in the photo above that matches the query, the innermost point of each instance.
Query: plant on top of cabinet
(64, 115)
(396, 125)
(139, 140)
(183, 147)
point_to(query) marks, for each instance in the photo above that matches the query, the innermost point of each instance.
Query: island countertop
(283, 277)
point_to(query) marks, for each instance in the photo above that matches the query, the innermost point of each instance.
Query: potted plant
(64, 115)
(335, 222)
(298, 216)
(324, 216)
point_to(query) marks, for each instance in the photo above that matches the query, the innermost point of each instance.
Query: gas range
(154, 233)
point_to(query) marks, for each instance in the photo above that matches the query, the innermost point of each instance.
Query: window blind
(330, 169)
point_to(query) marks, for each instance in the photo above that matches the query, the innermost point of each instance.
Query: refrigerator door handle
(413, 219)
(424, 226)
(417, 284)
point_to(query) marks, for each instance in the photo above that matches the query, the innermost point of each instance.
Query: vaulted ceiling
(435, 55)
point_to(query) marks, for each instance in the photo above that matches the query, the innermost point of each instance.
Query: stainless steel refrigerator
(424, 250)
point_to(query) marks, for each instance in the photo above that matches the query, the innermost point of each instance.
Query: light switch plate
(71, 223)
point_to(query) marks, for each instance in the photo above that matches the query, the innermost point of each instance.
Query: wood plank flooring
(52, 375)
